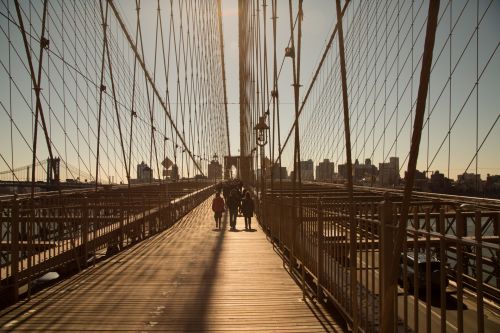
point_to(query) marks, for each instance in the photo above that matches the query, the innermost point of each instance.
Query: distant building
(439, 183)
(266, 163)
(325, 171)
(364, 173)
(173, 173)
(214, 170)
(307, 170)
(144, 173)
(342, 170)
(388, 173)
(469, 182)
(53, 170)
(277, 172)
(421, 182)
(267, 168)
(492, 186)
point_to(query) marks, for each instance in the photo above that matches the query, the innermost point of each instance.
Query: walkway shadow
(198, 306)
(451, 300)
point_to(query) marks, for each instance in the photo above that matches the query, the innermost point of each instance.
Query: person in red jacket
(218, 208)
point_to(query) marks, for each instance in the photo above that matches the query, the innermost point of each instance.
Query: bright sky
(319, 18)
(315, 36)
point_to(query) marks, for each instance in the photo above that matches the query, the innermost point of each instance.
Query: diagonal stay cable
(114, 98)
(219, 11)
(327, 48)
(148, 76)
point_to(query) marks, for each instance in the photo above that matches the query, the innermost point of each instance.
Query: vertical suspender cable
(221, 36)
(415, 143)
(265, 93)
(10, 102)
(149, 79)
(275, 96)
(313, 81)
(352, 224)
(101, 89)
(114, 97)
(132, 107)
(36, 84)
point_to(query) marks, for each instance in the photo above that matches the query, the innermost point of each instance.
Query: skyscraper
(325, 171)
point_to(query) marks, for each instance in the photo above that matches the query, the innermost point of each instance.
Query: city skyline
(360, 137)
(471, 113)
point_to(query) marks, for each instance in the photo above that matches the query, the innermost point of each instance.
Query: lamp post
(254, 166)
(261, 130)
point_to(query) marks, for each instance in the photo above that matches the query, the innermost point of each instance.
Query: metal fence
(449, 269)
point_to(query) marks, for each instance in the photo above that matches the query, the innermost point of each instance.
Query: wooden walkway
(189, 278)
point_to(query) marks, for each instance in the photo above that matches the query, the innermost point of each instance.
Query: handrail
(68, 229)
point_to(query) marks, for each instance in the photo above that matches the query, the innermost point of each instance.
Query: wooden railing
(55, 231)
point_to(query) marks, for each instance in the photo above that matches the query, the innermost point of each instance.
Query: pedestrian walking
(218, 208)
(247, 208)
(225, 192)
(233, 203)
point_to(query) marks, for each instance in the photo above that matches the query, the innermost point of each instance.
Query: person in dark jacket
(218, 208)
(233, 203)
(225, 192)
(247, 210)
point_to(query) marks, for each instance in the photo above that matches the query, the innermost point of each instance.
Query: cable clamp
(44, 43)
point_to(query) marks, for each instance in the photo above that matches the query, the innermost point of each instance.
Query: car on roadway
(420, 262)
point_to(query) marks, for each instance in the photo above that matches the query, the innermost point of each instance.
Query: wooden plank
(189, 278)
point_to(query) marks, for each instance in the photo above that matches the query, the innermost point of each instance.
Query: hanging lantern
(261, 132)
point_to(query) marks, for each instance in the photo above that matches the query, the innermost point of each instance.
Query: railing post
(143, 216)
(479, 271)
(496, 229)
(387, 277)
(302, 250)
(293, 253)
(280, 223)
(85, 228)
(319, 285)
(122, 216)
(60, 224)
(160, 213)
(460, 226)
(15, 248)
(496, 225)
(170, 210)
(263, 210)
(442, 257)
(151, 217)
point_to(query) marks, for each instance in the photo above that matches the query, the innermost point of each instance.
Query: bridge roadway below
(191, 277)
